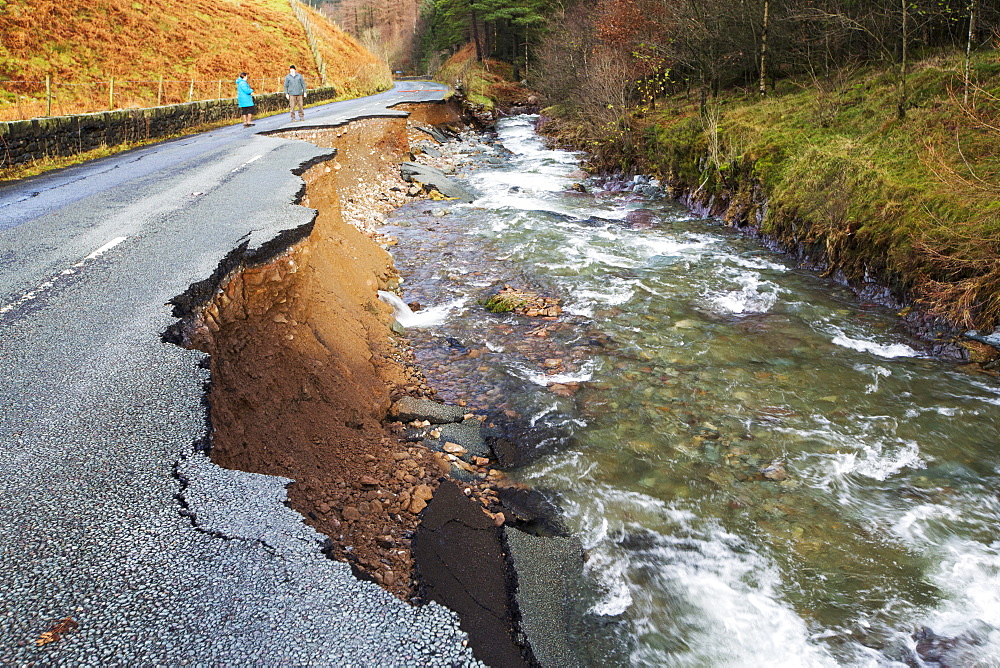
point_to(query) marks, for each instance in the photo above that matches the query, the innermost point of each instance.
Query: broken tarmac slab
(436, 133)
(530, 510)
(461, 564)
(518, 596)
(468, 434)
(237, 505)
(548, 581)
(413, 172)
(478, 438)
(552, 598)
(408, 409)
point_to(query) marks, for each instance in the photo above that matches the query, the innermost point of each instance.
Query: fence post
(191, 92)
(48, 95)
(111, 95)
(159, 93)
(220, 89)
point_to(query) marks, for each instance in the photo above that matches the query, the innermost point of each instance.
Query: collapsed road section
(304, 367)
(104, 427)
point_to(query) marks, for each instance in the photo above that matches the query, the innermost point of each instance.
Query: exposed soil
(304, 365)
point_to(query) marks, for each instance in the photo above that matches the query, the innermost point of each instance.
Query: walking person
(295, 92)
(244, 98)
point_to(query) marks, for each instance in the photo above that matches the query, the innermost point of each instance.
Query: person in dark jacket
(295, 92)
(244, 98)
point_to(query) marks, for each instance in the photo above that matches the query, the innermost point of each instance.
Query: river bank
(825, 172)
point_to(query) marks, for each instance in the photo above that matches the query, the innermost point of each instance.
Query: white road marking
(253, 159)
(105, 248)
(45, 285)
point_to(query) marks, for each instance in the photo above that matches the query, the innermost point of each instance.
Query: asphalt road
(110, 514)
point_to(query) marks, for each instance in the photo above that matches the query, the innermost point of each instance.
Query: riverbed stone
(640, 219)
(409, 409)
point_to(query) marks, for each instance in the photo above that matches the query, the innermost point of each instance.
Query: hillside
(82, 44)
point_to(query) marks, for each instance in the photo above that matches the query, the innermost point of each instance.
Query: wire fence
(26, 99)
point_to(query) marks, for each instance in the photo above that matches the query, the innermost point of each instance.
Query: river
(762, 469)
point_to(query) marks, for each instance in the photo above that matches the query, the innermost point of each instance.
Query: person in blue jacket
(244, 98)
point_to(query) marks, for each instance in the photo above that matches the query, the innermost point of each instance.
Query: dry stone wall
(24, 141)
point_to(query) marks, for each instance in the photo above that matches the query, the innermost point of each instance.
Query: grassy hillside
(82, 44)
(912, 203)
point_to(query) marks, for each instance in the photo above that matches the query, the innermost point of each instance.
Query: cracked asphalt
(111, 513)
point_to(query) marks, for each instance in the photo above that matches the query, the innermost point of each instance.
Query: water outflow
(763, 471)
(406, 316)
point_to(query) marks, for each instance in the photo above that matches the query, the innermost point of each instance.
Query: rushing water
(763, 471)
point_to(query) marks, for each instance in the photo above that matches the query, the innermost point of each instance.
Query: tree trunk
(763, 52)
(513, 53)
(968, 48)
(901, 102)
(475, 34)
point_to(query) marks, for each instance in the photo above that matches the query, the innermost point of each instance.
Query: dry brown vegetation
(197, 47)
(349, 66)
(388, 28)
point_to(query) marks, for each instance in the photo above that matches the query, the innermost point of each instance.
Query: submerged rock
(939, 650)
(640, 219)
(775, 471)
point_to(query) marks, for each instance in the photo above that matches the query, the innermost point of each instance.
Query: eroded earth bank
(310, 382)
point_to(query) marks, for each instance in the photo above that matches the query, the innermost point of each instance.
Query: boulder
(649, 192)
(989, 339)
